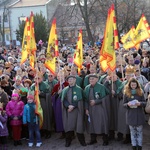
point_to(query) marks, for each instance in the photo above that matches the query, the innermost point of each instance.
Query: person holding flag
(43, 89)
(32, 120)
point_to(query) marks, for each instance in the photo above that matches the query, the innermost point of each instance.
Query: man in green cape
(73, 111)
(96, 110)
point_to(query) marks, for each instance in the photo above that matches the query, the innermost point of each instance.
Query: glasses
(137, 70)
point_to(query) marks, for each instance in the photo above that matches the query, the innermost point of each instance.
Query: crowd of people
(109, 104)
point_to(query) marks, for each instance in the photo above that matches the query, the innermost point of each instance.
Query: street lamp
(22, 18)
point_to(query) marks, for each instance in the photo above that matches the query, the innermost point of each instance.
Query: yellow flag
(78, 55)
(52, 49)
(38, 108)
(33, 47)
(25, 42)
(110, 42)
(127, 39)
(142, 31)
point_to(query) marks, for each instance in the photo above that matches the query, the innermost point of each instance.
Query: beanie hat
(136, 62)
(15, 95)
(30, 95)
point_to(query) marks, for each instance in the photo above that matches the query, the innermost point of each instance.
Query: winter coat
(135, 116)
(15, 108)
(3, 125)
(4, 98)
(26, 114)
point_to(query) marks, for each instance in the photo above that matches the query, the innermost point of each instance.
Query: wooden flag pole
(121, 64)
(112, 84)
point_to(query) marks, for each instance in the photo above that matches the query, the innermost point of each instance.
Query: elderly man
(95, 104)
(73, 111)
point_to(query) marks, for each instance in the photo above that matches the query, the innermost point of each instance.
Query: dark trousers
(104, 137)
(3, 143)
(34, 128)
(70, 135)
(25, 132)
(3, 139)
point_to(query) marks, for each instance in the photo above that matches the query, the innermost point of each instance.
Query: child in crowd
(14, 110)
(134, 101)
(3, 128)
(30, 118)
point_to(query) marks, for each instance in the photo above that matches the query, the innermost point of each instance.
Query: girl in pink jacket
(14, 110)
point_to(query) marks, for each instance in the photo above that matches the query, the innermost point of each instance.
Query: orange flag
(110, 42)
(38, 108)
(142, 31)
(25, 42)
(33, 47)
(52, 49)
(78, 55)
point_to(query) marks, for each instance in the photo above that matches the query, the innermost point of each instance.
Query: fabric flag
(110, 43)
(52, 49)
(33, 47)
(38, 108)
(142, 31)
(25, 42)
(127, 39)
(115, 31)
(78, 55)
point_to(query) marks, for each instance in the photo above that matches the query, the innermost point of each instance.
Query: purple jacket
(14, 108)
(3, 125)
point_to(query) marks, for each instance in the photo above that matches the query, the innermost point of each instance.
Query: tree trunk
(90, 37)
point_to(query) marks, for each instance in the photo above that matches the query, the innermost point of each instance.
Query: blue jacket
(26, 114)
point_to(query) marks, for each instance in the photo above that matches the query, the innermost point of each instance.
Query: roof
(28, 3)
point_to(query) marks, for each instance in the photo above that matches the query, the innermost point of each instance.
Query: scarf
(133, 92)
(32, 112)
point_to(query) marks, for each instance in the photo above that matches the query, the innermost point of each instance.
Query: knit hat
(30, 95)
(15, 95)
(136, 62)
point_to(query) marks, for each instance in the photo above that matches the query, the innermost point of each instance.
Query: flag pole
(121, 64)
(112, 84)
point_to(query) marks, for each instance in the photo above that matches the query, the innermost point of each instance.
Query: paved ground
(54, 143)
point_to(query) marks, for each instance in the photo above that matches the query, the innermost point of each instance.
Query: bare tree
(94, 14)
